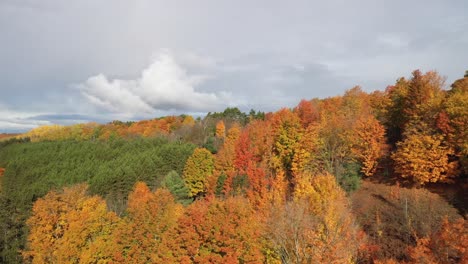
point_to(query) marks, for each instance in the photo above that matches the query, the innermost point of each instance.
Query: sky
(66, 62)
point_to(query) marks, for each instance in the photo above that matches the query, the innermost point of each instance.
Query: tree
(395, 118)
(307, 112)
(225, 158)
(65, 227)
(287, 133)
(455, 120)
(197, 169)
(220, 130)
(140, 237)
(424, 158)
(317, 226)
(369, 144)
(218, 232)
(243, 151)
(424, 97)
(448, 245)
(176, 185)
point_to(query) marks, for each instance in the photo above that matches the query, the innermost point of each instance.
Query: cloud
(164, 85)
(14, 121)
(11, 121)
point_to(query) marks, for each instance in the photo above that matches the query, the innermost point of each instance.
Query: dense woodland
(375, 177)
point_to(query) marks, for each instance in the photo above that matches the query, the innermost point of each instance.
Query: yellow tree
(424, 158)
(198, 168)
(368, 143)
(65, 227)
(225, 158)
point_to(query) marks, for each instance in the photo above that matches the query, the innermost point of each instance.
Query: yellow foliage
(424, 158)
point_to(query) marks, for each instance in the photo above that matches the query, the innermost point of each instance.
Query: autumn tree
(418, 99)
(453, 120)
(424, 158)
(316, 226)
(243, 152)
(66, 227)
(225, 158)
(307, 112)
(368, 144)
(220, 130)
(287, 132)
(424, 97)
(448, 245)
(218, 232)
(139, 237)
(336, 133)
(197, 169)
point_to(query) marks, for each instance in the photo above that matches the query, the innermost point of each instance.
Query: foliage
(197, 169)
(67, 227)
(176, 185)
(139, 236)
(110, 169)
(218, 232)
(316, 226)
(424, 158)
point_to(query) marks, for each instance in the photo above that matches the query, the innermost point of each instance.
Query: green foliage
(231, 114)
(220, 184)
(175, 184)
(350, 178)
(210, 145)
(240, 183)
(111, 168)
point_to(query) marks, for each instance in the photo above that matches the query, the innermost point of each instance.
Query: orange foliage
(257, 192)
(218, 232)
(448, 245)
(244, 154)
(307, 113)
(369, 144)
(139, 238)
(220, 129)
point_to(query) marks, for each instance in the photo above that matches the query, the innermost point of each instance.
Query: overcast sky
(98, 60)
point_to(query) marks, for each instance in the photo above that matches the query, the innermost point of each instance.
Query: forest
(363, 177)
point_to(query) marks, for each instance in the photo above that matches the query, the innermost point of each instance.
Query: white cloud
(164, 85)
(12, 121)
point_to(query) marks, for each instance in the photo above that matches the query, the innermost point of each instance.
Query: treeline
(271, 187)
(183, 127)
